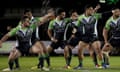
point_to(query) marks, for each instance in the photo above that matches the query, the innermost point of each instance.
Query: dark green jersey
(34, 20)
(23, 35)
(113, 25)
(58, 28)
(69, 28)
(87, 24)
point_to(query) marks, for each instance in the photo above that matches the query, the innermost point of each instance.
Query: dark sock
(68, 61)
(47, 57)
(107, 61)
(10, 65)
(69, 58)
(41, 62)
(103, 61)
(80, 62)
(95, 59)
(104, 58)
(17, 63)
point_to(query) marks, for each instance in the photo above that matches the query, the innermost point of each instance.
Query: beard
(62, 18)
(117, 16)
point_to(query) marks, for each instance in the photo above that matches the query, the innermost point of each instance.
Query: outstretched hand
(107, 44)
(98, 6)
(107, 47)
(54, 40)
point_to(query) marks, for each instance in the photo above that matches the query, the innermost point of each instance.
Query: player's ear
(113, 11)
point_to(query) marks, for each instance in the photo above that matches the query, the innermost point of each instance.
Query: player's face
(116, 12)
(74, 16)
(29, 14)
(26, 22)
(90, 11)
(62, 15)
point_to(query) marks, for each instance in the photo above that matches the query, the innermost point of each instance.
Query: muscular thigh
(96, 44)
(82, 44)
(36, 48)
(14, 53)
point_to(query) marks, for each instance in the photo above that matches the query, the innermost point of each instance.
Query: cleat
(45, 69)
(107, 65)
(17, 68)
(34, 68)
(104, 66)
(67, 67)
(7, 70)
(98, 66)
(78, 67)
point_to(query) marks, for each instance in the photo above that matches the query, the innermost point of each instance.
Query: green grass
(57, 64)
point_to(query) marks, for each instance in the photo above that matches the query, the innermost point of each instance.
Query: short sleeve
(51, 24)
(13, 31)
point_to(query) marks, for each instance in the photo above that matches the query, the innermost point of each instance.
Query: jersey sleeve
(34, 23)
(67, 20)
(13, 31)
(79, 19)
(98, 15)
(38, 19)
(51, 24)
(33, 26)
(107, 25)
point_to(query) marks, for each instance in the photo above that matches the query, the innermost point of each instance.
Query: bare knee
(49, 49)
(66, 49)
(13, 55)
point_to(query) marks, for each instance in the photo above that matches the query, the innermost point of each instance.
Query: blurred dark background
(12, 10)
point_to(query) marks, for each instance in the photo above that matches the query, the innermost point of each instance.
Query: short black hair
(88, 6)
(27, 10)
(24, 18)
(72, 11)
(59, 11)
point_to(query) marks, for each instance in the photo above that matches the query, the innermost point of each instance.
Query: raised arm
(6, 36)
(96, 8)
(45, 18)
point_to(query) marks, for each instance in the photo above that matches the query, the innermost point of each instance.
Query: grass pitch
(57, 64)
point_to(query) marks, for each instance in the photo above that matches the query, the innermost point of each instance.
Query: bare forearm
(43, 20)
(46, 17)
(105, 35)
(50, 34)
(97, 8)
(5, 37)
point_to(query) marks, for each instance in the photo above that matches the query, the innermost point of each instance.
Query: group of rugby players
(77, 30)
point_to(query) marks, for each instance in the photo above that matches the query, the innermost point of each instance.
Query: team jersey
(114, 26)
(58, 28)
(88, 25)
(69, 28)
(23, 35)
(34, 20)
